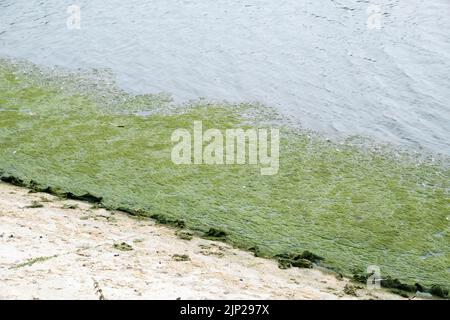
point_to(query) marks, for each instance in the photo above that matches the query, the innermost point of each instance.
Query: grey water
(339, 67)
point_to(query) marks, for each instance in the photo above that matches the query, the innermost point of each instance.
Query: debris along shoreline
(354, 207)
(69, 249)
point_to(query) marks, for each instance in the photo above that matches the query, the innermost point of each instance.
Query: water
(314, 60)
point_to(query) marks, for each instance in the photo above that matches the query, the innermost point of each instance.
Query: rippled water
(314, 60)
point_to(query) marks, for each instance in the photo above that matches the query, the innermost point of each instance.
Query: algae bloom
(352, 204)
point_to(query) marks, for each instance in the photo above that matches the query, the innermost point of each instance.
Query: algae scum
(353, 206)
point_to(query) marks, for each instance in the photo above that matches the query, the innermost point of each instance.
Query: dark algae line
(340, 205)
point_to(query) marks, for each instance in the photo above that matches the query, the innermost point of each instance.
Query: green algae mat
(355, 205)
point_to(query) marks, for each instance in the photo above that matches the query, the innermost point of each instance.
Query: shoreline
(55, 248)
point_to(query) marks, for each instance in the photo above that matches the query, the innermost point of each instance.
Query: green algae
(351, 205)
(351, 289)
(32, 261)
(184, 235)
(214, 233)
(181, 257)
(123, 246)
(303, 260)
(69, 206)
(35, 204)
